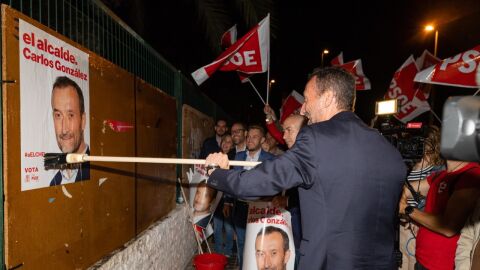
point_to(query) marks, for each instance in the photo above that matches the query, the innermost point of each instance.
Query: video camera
(409, 139)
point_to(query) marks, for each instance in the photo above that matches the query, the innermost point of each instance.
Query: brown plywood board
(196, 127)
(156, 129)
(44, 229)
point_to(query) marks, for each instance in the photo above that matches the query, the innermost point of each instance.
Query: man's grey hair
(340, 81)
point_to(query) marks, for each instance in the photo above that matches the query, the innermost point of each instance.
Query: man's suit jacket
(82, 174)
(350, 179)
(209, 146)
(240, 211)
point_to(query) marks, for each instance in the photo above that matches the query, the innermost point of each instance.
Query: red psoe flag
(426, 60)
(337, 61)
(402, 87)
(229, 37)
(459, 70)
(355, 68)
(248, 55)
(292, 103)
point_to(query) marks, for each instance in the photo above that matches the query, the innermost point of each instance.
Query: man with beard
(212, 144)
(69, 121)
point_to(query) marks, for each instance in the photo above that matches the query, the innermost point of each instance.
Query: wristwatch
(211, 167)
(409, 209)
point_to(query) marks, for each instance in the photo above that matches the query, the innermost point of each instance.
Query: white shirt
(69, 175)
(240, 149)
(250, 158)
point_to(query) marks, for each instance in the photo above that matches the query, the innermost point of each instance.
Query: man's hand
(218, 159)
(280, 201)
(269, 112)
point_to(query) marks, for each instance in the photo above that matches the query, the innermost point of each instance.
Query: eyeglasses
(238, 131)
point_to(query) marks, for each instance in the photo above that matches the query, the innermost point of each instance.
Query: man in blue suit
(349, 177)
(254, 152)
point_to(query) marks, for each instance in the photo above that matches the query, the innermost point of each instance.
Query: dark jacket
(350, 179)
(209, 146)
(82, 174)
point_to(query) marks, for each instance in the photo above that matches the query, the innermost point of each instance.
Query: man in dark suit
(349, 177)
(212, 144)
(254, 152)
(69, 119)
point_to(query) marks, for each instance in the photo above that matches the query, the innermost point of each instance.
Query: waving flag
(402, 87)
(337, 61)
(459, 70)
(355, 68)
(292, 103)
(229, 37)
(248, 55)
(426, 60)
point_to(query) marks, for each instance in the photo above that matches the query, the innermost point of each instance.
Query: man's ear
(262, 140)
(287, 257)
(328, 98)
(84, 120)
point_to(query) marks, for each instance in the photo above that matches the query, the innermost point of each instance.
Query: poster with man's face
(269, 239)
(54, 107)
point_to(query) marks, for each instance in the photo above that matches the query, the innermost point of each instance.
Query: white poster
(54, 107)
(269, 239)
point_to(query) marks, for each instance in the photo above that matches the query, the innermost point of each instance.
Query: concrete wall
(168, 244)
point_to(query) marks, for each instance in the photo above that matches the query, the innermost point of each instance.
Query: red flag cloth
(426, 60)
(248, 55)
(337, 61)
(355, 68)
(229, 37)
(292, 103)
(459, 70)
(277, 134)
(402, 87)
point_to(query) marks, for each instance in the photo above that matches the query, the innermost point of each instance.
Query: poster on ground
(54, 107)
(203, 200)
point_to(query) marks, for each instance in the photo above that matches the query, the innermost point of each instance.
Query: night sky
(382, 33)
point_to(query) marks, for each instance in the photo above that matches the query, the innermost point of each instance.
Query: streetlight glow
(272, 81)
(429, 28)
(325, 51)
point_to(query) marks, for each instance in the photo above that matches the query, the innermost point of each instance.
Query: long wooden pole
(78, 158)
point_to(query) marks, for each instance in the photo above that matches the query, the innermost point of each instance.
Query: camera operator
(452, 195)
(430, 162)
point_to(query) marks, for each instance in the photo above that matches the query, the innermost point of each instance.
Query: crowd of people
(345, 187)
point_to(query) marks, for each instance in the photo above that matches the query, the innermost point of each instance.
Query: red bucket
(210, 261)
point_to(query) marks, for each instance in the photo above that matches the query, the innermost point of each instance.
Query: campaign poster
(269, 239)
(54, 107)
(203, 200)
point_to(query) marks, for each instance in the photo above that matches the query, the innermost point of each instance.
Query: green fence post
(178, 94)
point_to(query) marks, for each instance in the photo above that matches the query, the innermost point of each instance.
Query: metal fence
(91, 24)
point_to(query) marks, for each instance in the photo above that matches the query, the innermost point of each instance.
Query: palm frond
(253, 11)
(214, 20)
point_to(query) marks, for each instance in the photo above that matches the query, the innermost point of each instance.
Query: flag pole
(254, 88)
(476, 93)
(436, 116)
(268, 60)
